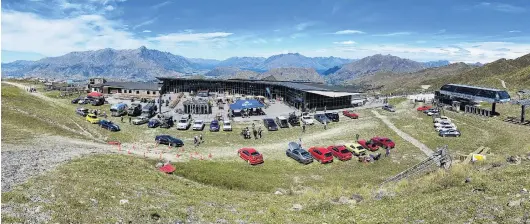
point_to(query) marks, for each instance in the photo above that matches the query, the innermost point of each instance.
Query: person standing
(325, 125)
(195, 140)
(300, 142)
(255, 133)
(200, 139)
(130, 120)
(259, 132)
(387, 151)
(121, 118)
(303, 127)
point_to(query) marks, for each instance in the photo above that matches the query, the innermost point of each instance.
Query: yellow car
(355, 148)
(92, 118)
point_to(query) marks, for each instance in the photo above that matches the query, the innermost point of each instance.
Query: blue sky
(423, 30)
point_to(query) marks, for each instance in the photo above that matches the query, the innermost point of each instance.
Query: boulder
(297, 207)
(124, 201)
(515, 203)
(344, 200)
(357, 198)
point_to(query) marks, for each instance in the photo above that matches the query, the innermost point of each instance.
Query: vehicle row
(445, 127)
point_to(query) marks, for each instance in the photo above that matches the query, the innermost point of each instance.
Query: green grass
(397, 100)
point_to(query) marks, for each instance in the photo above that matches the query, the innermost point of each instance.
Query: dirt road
(404, 135)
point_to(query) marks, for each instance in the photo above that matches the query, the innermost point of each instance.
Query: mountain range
(146, 64)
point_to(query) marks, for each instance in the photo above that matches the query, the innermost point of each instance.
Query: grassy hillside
(516, 74)
(402, 82)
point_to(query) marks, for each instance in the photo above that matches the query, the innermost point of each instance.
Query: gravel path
(20, 162)
(404, 135)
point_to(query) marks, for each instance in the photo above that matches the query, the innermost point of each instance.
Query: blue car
(168, 140)
(153, 123)
(214, 126)
(109, 125)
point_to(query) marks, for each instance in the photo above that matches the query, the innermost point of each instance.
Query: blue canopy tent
(245, 104)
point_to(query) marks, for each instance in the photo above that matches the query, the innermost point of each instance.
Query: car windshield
(328, 154)
(227, 123)
(344, 151)
(171, 138)
(183, 121)
(305, 154)
(255, 153)
(198, 122)
(92, 116)
(214, 122)
(359, 147)
(306, 118)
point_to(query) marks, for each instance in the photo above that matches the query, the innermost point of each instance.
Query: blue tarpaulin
(245, 104)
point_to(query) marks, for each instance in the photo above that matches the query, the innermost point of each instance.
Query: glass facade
(295, 97)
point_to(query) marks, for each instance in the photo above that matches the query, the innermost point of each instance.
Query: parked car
(321, 154)
(350, 114)
(153, 123)
(109, 125)
(134, 110)
(423, 108)
(298, 153)
(282, 122)
(368, 144)
(227, 126)
(444, 123)
(383, 142)
(184, 123)
(306, 119)
(322, 118)
(250, 155)
(198, 125)
(97, 101)
(432, 112)
(214, 125)
(269, 124)
(118, 109)
(341, 152)
(441, 118)
(450, 133)
(92, 118)
(168, 140)
(81, 111)
(140, 120)
(293, 119)
(355, 148)
(389, 107)
(333, 116)
(444, 128)
(167, 122)
(76, 100)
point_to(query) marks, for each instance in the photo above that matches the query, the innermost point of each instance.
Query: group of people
(197, 140)
(31, 89)
(98, 112)
(369, 158)
(256, 132)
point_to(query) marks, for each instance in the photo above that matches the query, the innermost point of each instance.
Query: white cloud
(501, 7)
(392, 34)
(297, 35)
(349, 32)
(260, 41)
(159, 5)
(28, 32)
(514, 31)
(109, 7)
(303, 26)
(348, 42)
(145, 23)
(146, 31)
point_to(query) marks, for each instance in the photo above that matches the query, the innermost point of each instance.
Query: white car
(445, 128)
(183, 124)
(198, 125)
(227, 126)
(308, 120)
(442, 118)
(444, 123)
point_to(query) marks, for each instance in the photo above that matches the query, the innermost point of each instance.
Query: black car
(168, 140)
(109, 125)
(270, 124)
(167, 122)
(322, 118)
(389, 107)
(134, 110)
(334, 116)
(97, 101)
(297, 153)
(76, 100)
(294, 120)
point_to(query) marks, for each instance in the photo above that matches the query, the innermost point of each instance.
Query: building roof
(304, 86)
(131, 85)
(332, 94)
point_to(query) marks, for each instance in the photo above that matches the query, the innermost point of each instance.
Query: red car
(424, 108)
(340, 152)
(383, 142)
(370, 145)
(350, 114)
(321, 154)
(250, 155)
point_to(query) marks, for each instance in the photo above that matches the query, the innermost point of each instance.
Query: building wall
(293, 97)
(132, 92)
